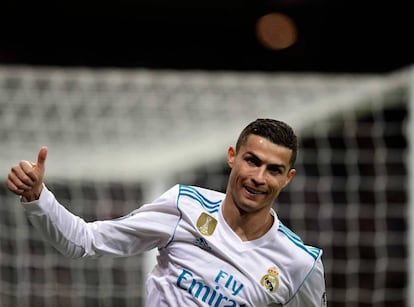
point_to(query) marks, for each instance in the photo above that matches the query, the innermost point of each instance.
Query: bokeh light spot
(276, 31)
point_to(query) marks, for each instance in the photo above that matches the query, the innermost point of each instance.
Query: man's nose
(259, 175)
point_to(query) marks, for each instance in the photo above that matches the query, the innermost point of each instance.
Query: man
(215, 249)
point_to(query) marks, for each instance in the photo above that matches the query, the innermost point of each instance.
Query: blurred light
(276, 31)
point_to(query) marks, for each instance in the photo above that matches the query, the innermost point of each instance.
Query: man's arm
(149, 227)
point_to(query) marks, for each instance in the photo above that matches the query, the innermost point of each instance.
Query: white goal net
(117, 138)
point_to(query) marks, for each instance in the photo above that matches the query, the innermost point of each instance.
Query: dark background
(333, 36)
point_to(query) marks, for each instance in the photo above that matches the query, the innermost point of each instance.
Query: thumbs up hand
(26, 178)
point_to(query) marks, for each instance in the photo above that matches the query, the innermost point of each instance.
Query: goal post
(410, 158)
(118, 138)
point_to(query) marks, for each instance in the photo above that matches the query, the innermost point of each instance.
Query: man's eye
(253, 161)
(275, 171)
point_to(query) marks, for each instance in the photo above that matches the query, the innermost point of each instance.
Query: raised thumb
(41, 157)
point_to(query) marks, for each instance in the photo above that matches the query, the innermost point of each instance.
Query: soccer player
(214, 249)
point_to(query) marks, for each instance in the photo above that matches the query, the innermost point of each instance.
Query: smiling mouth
(254, 191)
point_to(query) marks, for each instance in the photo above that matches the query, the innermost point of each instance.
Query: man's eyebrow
(250, 153)
(273, 165)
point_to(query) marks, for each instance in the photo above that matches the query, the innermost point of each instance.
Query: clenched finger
(29, 170)
(18, 174)
(15, 185)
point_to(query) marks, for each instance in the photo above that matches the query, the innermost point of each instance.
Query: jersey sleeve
(312, 291)
(146, 228)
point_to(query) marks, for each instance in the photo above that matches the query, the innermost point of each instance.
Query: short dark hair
(275, 131)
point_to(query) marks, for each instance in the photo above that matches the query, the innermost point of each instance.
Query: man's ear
(231, 154)
(290, 175)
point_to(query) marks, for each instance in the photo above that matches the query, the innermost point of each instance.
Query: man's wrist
(33, 195)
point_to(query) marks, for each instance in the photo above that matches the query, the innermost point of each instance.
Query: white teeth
(254, 191)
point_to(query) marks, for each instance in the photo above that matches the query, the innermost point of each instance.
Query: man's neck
(248, 226)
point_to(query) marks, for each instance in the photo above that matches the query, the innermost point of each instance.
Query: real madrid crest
(206, 224)
(271, 280)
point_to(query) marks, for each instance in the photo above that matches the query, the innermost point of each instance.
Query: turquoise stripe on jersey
(313, 251)
(207, 204)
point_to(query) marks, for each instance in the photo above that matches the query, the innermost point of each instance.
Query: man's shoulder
(295, 258)
(208, 199)
(295, 246)
(205, 193)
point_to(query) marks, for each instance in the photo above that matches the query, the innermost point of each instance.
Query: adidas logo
(202, 243)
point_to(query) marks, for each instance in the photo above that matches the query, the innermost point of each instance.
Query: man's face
(259, 171)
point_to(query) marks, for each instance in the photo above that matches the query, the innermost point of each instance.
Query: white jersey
(201, 261)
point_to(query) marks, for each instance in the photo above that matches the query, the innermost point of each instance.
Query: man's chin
(248, 206)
